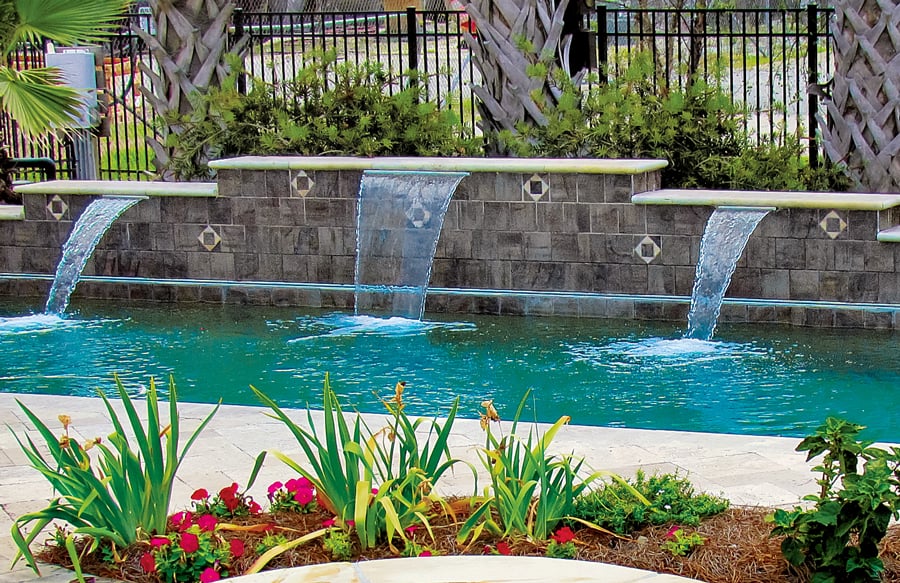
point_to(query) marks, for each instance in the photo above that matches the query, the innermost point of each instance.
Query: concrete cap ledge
(120, 188)
(12, 212)
(830, 200)
(461, 569)
(559, 165)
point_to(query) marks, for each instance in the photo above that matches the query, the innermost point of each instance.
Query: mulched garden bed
(738, 548)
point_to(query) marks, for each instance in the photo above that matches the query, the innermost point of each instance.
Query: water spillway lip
(718, 198)
(767, 209)
(556, 165)
(121, 188)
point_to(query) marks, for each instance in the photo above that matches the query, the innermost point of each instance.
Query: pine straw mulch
(738, 549)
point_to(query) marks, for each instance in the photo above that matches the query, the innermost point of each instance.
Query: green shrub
(837, 539)
(330, 108)
(697, 129)
(667, 499)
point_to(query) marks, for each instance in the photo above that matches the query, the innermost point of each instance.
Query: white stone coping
(891, 235)
(121, 188)
(12, 212)
(853, 201)
(461, 569)
(556, 165)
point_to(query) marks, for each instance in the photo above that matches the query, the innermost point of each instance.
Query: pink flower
(237, 547)
(351, 523)
(564, 535)
(411, 528)
(189, 542)
(148, 563)
(375, 491)
(159, 541)
(207, 523)
(425, 553)
(329, 523)
(200, 494)
(503, 548)
(303, 496)
(671, 532)
(182, 520)
(304, 482)
(209, 575)
(274, 487)
(292, 485)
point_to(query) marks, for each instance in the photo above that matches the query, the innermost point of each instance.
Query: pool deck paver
(748, 470)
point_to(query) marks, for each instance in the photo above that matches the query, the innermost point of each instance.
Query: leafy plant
(562, 545)
(837, 539)
(625, 506)
(380, 487)
(116, 495)
(337, 542)
(330, 108)
(680, 543)
(196, 552)
(531, 490)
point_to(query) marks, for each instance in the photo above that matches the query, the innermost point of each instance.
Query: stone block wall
(574, 239)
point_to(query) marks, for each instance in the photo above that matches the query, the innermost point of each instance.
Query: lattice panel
(865, 108)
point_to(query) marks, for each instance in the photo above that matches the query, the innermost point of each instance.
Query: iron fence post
(812, 54)
(602, 42)
(412, 40)
(238, 17)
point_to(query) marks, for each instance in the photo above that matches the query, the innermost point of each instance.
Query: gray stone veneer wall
(506, 231)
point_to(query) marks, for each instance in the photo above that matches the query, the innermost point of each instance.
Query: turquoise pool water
(751, 380)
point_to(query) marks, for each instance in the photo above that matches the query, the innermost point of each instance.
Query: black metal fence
(763, 58)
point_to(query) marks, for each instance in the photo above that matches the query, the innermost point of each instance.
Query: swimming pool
(749, 380)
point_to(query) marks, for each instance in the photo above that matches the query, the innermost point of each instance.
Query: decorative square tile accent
(301, 184)
(57, 207)
(833, 224)
(418, 215)
(209, 238)
(536, 187)
(648, 249)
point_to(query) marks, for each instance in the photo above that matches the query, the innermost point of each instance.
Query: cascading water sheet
(723, 242)
(399, 220)
(85, 235)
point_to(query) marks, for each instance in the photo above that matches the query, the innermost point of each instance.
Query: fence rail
(764, 58)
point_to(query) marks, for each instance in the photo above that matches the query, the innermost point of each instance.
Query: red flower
(351, 523)
(200, 494)
(503, 548)
(411, 528)
(425, 553)
(254, 508)
(159, 541)
(237, 547)
(671, 532)
(303, 496)
(487, 550)
(329, 523)
(207, 522)
(189, 542)
(209, 575)
(148, 563)
(564, 535)
(229, 497)
(181, 521)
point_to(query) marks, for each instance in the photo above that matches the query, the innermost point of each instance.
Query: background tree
(519, 49)
(863, 130)
(35, 98)
(190, 46)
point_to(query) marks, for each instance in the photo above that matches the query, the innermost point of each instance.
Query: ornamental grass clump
(531, 490)
(379, 482)
(116, 496)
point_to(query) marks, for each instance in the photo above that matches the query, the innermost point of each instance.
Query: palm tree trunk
(864, 112)
(512, 36)
(189, 47)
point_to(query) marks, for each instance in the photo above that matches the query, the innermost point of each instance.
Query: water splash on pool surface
(34, 323)
(345, 325)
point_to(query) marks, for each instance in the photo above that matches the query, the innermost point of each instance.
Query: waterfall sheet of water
(85, 235)
(399, 220)
(723, 242)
